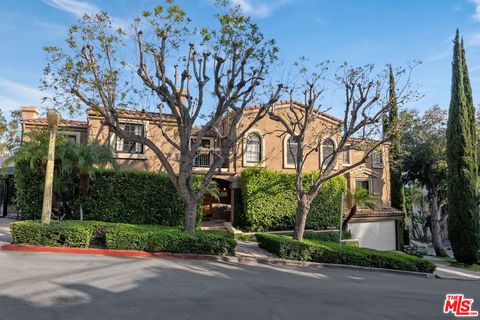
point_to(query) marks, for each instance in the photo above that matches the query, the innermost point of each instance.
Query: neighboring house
(264, 145)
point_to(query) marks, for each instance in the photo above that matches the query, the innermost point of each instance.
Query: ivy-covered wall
(269, 201)
(28, 182)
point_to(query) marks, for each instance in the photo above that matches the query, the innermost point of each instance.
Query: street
(60, 286)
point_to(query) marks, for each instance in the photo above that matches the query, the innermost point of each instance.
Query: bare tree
(365, 104)
(197, 77)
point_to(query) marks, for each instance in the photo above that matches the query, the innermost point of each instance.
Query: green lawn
(473, 267)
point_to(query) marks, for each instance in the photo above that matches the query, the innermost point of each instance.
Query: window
(377, 158)
(292, 150)
(327, 151)
(346, 155)
(364, 184)
(253, 148)
(202, 156)
(126, 145)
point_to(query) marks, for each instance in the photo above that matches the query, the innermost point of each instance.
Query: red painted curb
(104, 252)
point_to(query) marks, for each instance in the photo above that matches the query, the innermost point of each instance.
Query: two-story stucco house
(262, 146)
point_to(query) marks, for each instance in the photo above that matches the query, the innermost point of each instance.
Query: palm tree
(361, 198)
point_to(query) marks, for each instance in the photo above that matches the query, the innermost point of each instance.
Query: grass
(473, 267)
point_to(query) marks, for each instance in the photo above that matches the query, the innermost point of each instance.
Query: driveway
(59, 286)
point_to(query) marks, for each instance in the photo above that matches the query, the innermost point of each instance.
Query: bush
(168, 239)
(132, 196)
(122, 236)
(269, 201)
(28, 190)
(328, 236)
(69, 233)
(328, 252)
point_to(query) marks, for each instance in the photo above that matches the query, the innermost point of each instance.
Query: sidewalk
(446, 271)
(5, 235)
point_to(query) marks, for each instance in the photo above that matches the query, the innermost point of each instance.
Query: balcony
(204, 159)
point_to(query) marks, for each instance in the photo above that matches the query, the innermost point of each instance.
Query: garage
(378, 235)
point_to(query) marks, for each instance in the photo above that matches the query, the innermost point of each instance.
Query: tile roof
(63, 122)
(378, 212)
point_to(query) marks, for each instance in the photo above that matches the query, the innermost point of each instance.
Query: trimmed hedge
(68, 233)
(154, 239)
(122, 236)
(328, 252)
(29, 190)
(269, 201)
(132, 196)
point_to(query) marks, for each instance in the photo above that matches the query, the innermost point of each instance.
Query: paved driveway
(58, 286)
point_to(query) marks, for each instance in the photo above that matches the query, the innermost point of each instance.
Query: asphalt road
(38, 286)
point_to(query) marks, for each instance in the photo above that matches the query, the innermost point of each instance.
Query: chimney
(29, 112)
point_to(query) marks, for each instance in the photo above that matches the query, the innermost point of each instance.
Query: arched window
(253, 148)
(327, 151)
(292, 150)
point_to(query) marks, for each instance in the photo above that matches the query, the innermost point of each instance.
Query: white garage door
(378, 235)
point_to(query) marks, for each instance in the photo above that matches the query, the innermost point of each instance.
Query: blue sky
(357, 31)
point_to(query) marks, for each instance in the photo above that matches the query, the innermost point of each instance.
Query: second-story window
(127, 145)
(346, 155)
(253, 148)
(327, 151)
(377, 158)
(292, 151)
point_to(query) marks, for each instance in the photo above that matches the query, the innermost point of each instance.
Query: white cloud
(75, 7)
(13, 95)
(80, 8)
(260, 9)
(476, 16)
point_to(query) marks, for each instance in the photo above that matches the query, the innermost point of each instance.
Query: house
(262, 146)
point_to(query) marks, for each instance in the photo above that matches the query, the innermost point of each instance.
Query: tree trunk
(435, 227)
(351, 214)
(190, 216)
(301, 217)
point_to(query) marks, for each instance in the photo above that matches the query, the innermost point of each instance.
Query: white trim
(284, 151)
(377, 165)
(320, 159)
(127, 155)
(261, 163)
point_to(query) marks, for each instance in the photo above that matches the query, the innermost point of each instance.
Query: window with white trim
(292, 151)
(327, 151)
(253, 148)
(377, 158)
(127, 145)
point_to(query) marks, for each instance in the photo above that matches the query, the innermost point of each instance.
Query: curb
(168, 255)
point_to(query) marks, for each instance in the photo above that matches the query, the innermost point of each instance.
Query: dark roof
(376, 213)
(63, 122)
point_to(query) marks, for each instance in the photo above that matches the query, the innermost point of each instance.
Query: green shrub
(28, 190)
(168, 239)
(269, 201)
(69, 233)
(123, 236)
(328, 252)
(132, 196)
(328, 236)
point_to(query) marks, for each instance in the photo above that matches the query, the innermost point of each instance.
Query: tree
(463, 214)
(424, 149)
(365, 106)
(74, 164)
(9, 133)
(360, 198)
(390, 123)
(200, 77)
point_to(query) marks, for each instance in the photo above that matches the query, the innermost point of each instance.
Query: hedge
(269, 201)
(328, 252)
(122, 236)
(132, 196)
(28, 190)
(128, 196)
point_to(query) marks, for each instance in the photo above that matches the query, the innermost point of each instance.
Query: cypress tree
(396, 181)
(463, 219)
